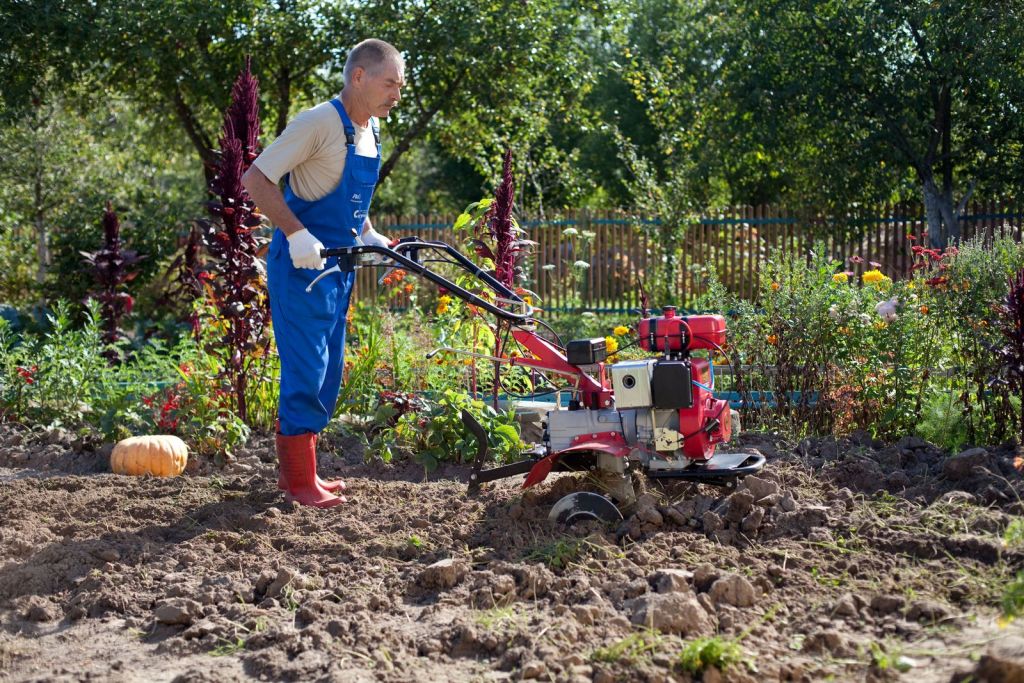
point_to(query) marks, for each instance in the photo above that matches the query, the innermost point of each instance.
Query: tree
(63, 159)
(848, 101)
(482, 76)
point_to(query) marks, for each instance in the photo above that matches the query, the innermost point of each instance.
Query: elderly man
(330, 157)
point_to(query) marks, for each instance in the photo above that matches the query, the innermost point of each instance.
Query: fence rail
(736, 241)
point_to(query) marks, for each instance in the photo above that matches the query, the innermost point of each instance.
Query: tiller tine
(477, 430)
(479, 475)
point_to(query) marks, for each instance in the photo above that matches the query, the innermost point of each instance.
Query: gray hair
(371, 54)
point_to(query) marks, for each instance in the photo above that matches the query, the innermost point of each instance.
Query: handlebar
(406, 253)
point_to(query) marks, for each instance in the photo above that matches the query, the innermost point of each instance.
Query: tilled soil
(844, 560)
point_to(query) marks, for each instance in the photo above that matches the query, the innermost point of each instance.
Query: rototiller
(656, 415)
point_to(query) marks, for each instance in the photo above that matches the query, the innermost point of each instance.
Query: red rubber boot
(297, 456)
(332, 485)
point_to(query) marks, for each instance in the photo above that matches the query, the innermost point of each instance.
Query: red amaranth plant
(187, 276)
(509, 249)
(503, 227)
(236, 276)
(111, 269)
(1011, 352)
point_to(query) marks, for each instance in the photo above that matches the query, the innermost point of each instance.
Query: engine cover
(631, 381)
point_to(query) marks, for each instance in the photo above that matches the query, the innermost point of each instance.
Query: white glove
(305, 250)
(372, 238)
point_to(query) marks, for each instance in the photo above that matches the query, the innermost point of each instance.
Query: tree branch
(194, 130)
(416, 130)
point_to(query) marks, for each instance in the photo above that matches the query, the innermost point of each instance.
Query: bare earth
(846, 560)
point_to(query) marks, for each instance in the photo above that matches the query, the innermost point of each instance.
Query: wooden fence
(619, 247)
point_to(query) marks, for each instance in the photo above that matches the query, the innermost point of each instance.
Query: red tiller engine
(657, 416)
(679, 382)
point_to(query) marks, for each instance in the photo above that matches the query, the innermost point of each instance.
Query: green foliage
(631, 650)
(826, 103)
(703, 653)
(942, 420)
(1013, 536)
(884, 660)
(560, 553)
(437, 434)
(60, 378)
(842, 352)
(1013, 598)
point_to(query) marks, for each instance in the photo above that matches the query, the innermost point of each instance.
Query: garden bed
(846, 559)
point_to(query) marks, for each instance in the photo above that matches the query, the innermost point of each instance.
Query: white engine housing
(631, 381)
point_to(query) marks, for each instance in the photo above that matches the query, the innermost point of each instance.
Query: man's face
(382, 90)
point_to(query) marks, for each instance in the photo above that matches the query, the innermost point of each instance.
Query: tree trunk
(938, 209)
(283, 85)
(42, 235)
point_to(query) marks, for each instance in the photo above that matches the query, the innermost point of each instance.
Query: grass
(884, 660)
(228, 647)
(495, 617)
(1013, 599)
(700, 655)
(288, 598)
(632, 649)
(558, 554)
(1013, 536)
(566, 551)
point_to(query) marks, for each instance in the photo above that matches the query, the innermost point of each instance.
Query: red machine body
(708, 422)
(673, 334)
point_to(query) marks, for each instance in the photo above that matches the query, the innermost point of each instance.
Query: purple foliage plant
(1010, 353)
(507, 249)
(111, 268)
(235, 275)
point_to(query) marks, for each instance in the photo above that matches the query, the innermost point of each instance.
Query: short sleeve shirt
(312, 149)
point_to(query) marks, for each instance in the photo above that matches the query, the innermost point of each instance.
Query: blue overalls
(310, 327)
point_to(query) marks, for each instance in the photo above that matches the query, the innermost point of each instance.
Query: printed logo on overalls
(360, 213)
(357, 198)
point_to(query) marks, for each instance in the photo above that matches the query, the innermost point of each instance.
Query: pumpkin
(161, 455)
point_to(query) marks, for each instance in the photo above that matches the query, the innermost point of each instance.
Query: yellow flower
(879, 325)
(840, 278)
(611, 345)
(620, 330)
(775, 286)
(467, 361)
(873, 276)
(442, 304)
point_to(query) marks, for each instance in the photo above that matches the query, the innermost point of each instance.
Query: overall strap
(375, 125)
(350, 130)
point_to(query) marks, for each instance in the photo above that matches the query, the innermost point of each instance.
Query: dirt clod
(445, 573)
(733, 589)
(678, 613)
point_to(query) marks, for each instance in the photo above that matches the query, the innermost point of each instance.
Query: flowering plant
(111, 269)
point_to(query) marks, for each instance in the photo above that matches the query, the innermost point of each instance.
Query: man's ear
(357, 74)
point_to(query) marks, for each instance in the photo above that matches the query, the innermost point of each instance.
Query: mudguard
(612, 443)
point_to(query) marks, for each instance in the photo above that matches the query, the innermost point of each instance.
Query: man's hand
(372, 238)
(305, 250)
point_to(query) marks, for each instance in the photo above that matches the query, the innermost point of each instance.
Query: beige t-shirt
(312, 148)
